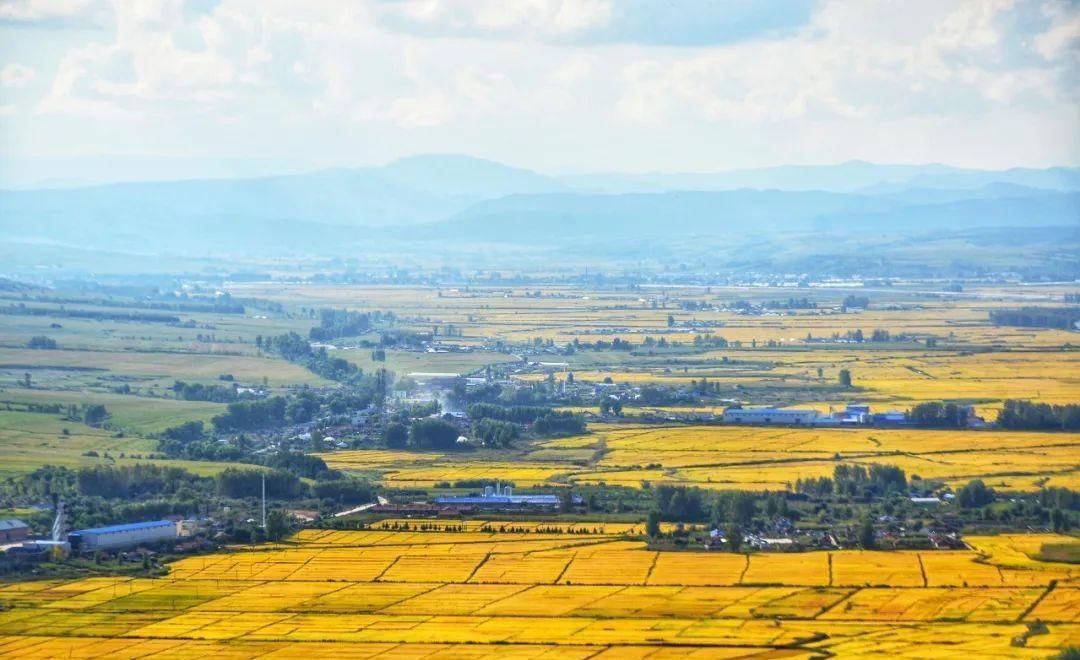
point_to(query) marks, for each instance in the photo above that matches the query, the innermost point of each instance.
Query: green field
(145, 369)
(30, 440)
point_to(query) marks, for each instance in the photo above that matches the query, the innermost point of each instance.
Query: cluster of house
(781, 534)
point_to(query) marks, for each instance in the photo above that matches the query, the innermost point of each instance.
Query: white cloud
(1062, 38)
(55, 12)
(956, 64)
(16, 75)
(331, 71)
(574, 72)
(537, 18)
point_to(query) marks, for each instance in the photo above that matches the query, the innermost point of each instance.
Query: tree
(670, 321)
(935, 413)
(566, 500)
(652, 524)
(41, 341)
(867, 539)
(433, 434)
(974, 495)
(26, 379)
(277, 525)
(1057, 520)
(844, 378)
(734, 536)
(396, 435)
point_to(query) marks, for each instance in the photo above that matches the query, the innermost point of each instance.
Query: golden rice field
(745, 458)
(487, 594)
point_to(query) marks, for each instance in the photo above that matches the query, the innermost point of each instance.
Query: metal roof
(125, 528)
(12, 523)
(499, 499)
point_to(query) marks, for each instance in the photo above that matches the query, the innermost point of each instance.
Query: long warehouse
(122, 536)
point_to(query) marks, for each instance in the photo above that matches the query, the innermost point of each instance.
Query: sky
(99, 89)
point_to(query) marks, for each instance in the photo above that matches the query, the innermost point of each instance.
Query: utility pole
(264, 501)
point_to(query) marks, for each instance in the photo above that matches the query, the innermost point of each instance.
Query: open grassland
(31, 440)
(232, 333)
(71, 369)
(131, 414)
(542, 594)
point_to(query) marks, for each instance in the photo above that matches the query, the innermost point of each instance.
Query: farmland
(972, 361)
(730, 458)
(584, 329)
(610, 572)
(545, 594)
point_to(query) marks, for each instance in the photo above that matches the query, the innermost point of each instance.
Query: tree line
(1062, 318)
(1028, 415)
(337, 323)
(298, 350)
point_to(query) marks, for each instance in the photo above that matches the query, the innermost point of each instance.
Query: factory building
(769, 416)
(116, 537)
(500, 497)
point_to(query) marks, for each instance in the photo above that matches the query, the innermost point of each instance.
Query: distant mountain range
(448, 197)
(853, 176)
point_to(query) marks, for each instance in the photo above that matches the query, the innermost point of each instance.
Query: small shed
(13, 529)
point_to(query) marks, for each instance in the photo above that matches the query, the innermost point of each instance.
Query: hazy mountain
(466, 177)
(844, 177)
(717, 213)
(410, 191)
(445, 197)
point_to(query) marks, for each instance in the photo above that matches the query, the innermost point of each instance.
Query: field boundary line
(846, 597)
(652, 566)
(301, 566)
(378, 578)
(523, 589)
(477, 568)
(1040, 599)
(746, 567)
(565, 568)
(922, 569)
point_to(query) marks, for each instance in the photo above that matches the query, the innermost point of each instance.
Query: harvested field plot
(437, 594)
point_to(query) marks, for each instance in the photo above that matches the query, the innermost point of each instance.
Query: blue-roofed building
(497, 501)
(115, 537)
(499, 497)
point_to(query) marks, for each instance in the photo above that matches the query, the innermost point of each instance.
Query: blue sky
(556, 85)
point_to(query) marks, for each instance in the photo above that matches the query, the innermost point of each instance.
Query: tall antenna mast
(264, 500)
